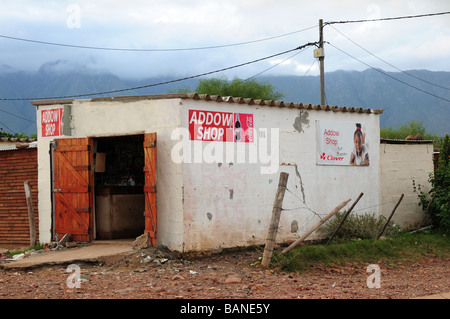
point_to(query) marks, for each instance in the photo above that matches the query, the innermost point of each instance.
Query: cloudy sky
(239, 30)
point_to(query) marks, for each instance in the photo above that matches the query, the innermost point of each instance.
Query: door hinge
(150, 189)
(148, 144)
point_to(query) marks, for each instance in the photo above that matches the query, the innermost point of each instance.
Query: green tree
(237, 88)
(413, 128)
(15, 135)
(437, 201)
(444, 154)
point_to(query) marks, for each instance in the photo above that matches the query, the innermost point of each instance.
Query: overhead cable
(160, 83)
(275, 65)
(18, 116)
(1, 129)
(412, 75)
(301, 79)
(390, 76)
(389, 19)
(153, 50)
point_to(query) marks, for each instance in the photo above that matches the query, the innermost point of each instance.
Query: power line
(412, 75)
(20, 117)
(6, 127)
(301, 79)
(390, 76)
(153, 50)
(275, 65)
(389, 19)
(160, 83)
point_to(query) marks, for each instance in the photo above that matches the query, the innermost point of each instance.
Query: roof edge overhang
(398, 141)
(217, 98)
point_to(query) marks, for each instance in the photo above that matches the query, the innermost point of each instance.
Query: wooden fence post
(390, 216)
(344, 218)
(30, 213)
(276, 212)
(312, 229)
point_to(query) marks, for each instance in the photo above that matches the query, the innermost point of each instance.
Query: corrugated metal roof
(13, 147)
(17, 139)
(398, 141)
(218, 98)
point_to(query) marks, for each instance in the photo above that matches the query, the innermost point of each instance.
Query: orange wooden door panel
(150, 186)
(73, 181)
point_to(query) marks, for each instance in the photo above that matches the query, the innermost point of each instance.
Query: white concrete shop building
(198, 172)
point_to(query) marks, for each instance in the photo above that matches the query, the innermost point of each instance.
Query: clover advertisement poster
(342, 143)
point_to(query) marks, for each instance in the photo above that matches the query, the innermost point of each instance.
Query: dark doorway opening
(119, 187)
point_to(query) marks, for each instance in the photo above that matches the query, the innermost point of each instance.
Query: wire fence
(315, 216)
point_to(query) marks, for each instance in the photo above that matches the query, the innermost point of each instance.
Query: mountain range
(419, 95)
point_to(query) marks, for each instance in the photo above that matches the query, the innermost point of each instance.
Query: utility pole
(321, 55)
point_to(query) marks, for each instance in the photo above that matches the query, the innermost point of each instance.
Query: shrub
(437, 201)
(365, 226)
(405, 246)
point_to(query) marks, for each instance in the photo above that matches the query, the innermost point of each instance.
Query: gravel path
(150, 274)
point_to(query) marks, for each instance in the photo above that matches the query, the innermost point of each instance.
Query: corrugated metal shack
(17, 165)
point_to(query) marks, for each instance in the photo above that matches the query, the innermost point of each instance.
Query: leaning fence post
(32, 223)
(312, 229)
(392, 214)
(344, 218)
(276, 212)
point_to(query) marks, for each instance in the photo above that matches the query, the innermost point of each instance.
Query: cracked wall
(231, 205)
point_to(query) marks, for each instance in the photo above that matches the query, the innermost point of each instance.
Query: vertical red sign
(51, 122)
(220, 126)
(243, 128)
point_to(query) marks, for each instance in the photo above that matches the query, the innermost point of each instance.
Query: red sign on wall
(51, 122)
(243, 128)
(220, 126)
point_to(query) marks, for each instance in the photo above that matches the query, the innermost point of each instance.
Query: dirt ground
(155, 274)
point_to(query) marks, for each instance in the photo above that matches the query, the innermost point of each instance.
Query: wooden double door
(73, 188)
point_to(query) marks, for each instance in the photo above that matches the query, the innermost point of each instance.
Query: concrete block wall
(401, 164)
(144, 116)
(213, 218)
(224, 203)
(98, 118)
